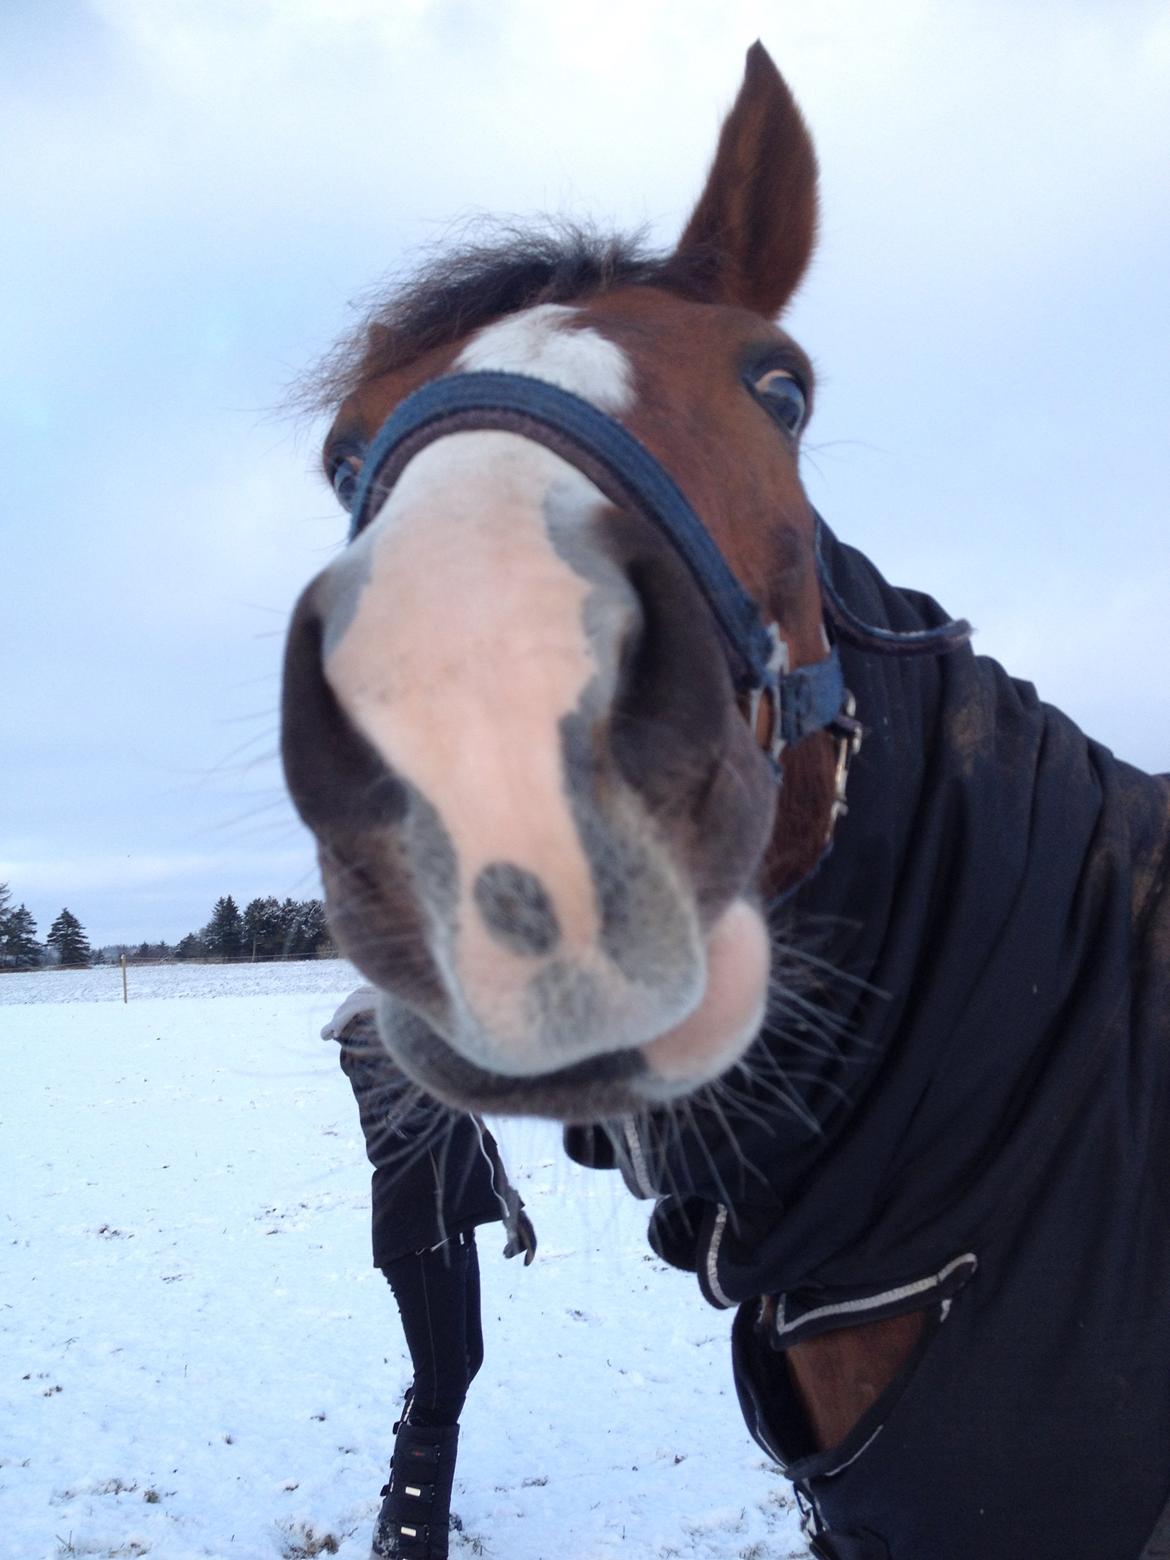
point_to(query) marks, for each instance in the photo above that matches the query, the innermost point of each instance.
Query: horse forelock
(503, 272)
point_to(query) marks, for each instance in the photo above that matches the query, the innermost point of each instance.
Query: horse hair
(506, 269)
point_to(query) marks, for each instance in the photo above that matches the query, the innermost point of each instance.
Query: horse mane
(450, 294)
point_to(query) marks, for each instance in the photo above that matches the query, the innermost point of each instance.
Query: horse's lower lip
(600, 1088)
(596, 1089)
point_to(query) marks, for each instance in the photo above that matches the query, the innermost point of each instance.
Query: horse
(647, 804)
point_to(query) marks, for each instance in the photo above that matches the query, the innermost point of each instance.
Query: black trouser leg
(438, 1299)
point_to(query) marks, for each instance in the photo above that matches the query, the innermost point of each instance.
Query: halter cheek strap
(795, 702)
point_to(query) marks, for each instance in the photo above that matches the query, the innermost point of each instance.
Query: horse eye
(344, 471)
(783, 397)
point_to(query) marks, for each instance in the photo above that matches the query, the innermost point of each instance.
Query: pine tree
(313, 929)
(263, 929)
(223, 934)
(6, 914)
(304, 932)
(19, 948)
(290, 920)
(67, 936)
(191, 947)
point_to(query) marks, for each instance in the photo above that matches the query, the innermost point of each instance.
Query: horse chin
(596, 1089)
(711, 1039)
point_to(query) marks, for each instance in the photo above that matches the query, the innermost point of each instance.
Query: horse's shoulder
(838, 1375)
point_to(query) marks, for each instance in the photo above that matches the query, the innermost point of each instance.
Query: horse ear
(751, 236)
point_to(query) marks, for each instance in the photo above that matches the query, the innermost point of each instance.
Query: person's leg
(438, 1300)
(473, 1323)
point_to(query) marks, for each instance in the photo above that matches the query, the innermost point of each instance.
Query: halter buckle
(786, 706)
(848, 731)
(766, 697)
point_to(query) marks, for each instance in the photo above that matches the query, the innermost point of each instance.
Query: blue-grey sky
(194, 190)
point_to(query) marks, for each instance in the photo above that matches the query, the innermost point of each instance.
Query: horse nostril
(516, 909)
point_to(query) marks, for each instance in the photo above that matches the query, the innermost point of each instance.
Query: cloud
(202, 187)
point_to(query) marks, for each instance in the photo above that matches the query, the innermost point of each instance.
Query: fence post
(125, 992)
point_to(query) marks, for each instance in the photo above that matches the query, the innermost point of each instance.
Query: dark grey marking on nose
(611, 612)
(392, 892)
(516, 909)
(564, 1002)
(433, 862)
(644, 928)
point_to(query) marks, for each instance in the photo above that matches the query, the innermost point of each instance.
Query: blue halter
(806, 699)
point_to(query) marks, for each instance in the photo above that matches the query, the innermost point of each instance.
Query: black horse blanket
(990, 1141)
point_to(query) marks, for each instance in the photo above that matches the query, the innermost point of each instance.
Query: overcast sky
(195, 190)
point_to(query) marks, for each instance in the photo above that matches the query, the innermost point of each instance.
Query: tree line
(266, 929)
(20, 948)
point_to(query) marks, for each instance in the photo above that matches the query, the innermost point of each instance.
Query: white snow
(197, 1359)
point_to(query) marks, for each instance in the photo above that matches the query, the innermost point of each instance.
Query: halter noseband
(783, 705)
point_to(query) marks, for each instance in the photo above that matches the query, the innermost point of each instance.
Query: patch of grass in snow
(782, 1498)
(302, 1542)
(132, 1550)
(725, 1521)
(106, 1487)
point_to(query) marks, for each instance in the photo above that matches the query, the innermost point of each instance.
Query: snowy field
(196, 1358)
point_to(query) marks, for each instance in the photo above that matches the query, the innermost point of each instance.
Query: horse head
(546, 827)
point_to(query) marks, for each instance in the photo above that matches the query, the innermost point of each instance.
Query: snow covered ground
(196, 1358)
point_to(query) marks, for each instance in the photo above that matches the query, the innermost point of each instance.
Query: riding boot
(415, 1519)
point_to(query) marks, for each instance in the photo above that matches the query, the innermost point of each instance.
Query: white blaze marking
(467, 648)
(541, 342)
